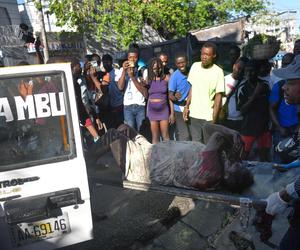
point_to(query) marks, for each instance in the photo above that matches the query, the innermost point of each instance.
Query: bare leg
(210, 128)
(164, 129)
(92, 131)
(234, 142)
(155, 131)
(216, 142)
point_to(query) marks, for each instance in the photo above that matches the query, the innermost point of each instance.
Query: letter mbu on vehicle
(44, 192)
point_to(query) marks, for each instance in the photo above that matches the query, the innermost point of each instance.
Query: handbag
(101, 99)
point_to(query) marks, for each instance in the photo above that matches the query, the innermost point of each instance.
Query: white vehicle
(44, 192)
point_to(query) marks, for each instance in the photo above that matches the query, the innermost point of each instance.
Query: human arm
(106, 79)
(93, 75)
(246, 103)
(172, 115)
(219, 91)
(186, 109)
(277, 202)
(174, 96)
(232, 139)
(122, 77)
(25, 88)
(139, 86)
(99, 123)
(217, 107)
(232, 135)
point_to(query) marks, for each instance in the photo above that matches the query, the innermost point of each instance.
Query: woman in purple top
(159, 110)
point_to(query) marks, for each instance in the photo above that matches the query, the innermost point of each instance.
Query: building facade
(282, 25)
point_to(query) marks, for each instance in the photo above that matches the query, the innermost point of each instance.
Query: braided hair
(151, 75)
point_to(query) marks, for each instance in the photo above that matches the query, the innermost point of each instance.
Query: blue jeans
(134, 115)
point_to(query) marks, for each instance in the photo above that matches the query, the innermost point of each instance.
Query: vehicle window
(34, 125)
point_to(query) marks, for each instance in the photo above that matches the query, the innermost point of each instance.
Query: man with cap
(279, 201)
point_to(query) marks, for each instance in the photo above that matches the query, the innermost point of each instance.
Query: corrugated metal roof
(227, 32)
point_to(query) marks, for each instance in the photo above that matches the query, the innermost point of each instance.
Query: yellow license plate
(27, 233)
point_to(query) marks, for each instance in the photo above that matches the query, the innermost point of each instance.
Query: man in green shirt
(205, 96)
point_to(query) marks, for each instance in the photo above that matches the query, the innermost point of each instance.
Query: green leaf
(170, 18)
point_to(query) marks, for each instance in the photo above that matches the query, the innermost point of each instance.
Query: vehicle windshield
(34, 127)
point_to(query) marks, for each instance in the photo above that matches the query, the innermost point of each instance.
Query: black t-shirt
(256, 118)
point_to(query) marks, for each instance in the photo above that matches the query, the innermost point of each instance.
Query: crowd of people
(175, 104)
(260, 106)
(167, 103)
(256, 106)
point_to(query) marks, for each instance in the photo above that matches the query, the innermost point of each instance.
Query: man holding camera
(134, 90)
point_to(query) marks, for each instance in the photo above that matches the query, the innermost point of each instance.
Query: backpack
(224, 109)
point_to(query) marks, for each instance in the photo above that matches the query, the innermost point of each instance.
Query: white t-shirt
(230, 84)
(132, 95)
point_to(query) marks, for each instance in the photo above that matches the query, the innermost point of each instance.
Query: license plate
(27, 233)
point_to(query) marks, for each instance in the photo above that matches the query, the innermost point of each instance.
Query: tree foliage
(126, 18)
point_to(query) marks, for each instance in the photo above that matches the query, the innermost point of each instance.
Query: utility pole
(48, 19)
(42, 29)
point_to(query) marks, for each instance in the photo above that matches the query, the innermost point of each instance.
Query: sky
(282, 5)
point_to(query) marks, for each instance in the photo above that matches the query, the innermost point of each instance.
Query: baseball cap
(292, 71)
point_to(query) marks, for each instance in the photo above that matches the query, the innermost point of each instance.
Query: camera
(25, 34)
(96, 65)
(131, 64)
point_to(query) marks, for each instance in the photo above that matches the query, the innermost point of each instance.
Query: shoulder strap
(239, 89)
(234, 89)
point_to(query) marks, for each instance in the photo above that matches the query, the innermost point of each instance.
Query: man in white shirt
(134, 90)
